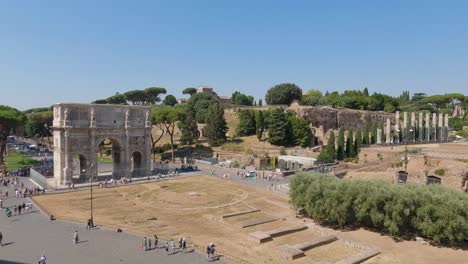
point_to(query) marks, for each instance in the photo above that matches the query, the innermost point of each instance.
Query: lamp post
(406, 152)
(91, 192)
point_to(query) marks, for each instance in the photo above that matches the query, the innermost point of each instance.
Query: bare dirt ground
(192, 208)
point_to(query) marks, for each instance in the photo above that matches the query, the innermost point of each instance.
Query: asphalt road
(26, 237)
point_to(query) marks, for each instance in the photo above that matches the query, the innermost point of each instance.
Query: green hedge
(433, 212)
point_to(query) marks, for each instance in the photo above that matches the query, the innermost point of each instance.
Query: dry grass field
(193, 208)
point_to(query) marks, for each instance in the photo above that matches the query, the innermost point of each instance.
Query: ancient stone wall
(330, 118)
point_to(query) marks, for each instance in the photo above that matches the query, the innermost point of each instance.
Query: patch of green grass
(105, 159)
(16, 160)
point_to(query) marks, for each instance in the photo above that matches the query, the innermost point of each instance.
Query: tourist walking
(88, 225)
(75, 237)
(208, 252)
(184, 245)
(145, 244)
(149, 243)
(1, 239)
(42, 260)
(155, 241)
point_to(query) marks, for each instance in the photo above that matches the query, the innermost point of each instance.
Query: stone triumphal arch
(80, 128)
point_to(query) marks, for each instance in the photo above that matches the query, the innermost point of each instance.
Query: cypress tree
(374, 133)
(216, 127)
(349, 144)
(260, 124)
(365, 137)
(340, 150)
(279, 129)
(357, 143)
(188, 126)
(247, 123)
(331, 145)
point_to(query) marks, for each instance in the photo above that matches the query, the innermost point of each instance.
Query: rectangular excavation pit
(240, 213)
(265, 236)
(256, 221)
(291, 252)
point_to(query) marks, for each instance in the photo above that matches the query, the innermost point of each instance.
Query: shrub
(282, 151)
(440, 172)
(463, 133)
(433, 212)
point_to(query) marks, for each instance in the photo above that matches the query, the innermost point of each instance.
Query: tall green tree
(152, 95)
(349, 151)
(136, 97)
(168, 117)
(365, 136)
(357, 142)
(188, 126)
(374, 133)
(302, 135)
(340, 151)
(260, 125)
(216, 127)
(190, 90)
(201, 102)
(10, 118)
(247, 124)
(117, 99)
(39, 124)
(169, 100)
(283, 94)
(260, 102)
(279, 129)
(239, 98)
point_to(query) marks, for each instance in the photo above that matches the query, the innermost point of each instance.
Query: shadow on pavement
(10, 262)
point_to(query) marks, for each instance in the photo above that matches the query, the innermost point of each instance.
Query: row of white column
(438, 132)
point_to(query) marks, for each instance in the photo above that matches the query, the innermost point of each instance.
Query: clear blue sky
(79, 51)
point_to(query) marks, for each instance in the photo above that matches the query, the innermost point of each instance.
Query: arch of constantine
(78, 129)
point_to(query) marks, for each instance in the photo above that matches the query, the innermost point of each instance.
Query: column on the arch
(428, 127)
(441, 125)
(434, 127)
(67, 159)
(379, 136)
(420, 127)
(388, 132)
(446, 126)
(397, 127)
(413, 126)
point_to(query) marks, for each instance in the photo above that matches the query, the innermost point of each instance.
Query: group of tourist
(24, 207)
(170, 247)
(10, 181)
(21, 172)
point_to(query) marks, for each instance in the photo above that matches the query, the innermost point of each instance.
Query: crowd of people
(21, 172)
(170, 247)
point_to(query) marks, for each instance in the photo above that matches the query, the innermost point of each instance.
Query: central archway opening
(108, 159)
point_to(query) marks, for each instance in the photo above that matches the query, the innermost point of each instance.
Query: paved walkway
(27, 237)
